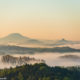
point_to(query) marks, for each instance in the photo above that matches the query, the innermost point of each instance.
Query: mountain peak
(15, 35)
(63, 39)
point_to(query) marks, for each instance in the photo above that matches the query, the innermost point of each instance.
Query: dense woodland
(40, 72)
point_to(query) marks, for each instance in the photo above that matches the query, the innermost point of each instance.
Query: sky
(41, 19)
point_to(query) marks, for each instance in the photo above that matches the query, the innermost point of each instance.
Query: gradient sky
(41, 19)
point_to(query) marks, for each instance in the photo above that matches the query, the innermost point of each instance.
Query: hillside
(40, 72)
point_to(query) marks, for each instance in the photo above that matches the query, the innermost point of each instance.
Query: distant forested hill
(23, 50)
(40, 72)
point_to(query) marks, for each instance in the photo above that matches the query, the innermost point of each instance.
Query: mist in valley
(51, 59)
(55, 53)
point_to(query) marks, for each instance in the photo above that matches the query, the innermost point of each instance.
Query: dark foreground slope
(40, 72)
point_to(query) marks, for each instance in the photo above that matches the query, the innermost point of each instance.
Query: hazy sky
(41, 19)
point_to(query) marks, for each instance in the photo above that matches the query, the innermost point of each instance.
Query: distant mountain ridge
(64, 42)
(18, 39)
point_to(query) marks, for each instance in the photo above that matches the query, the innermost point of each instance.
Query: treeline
(40, 72)
(24, 50)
